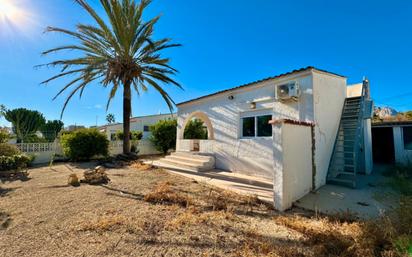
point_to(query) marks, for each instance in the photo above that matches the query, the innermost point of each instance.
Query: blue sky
(225, 43)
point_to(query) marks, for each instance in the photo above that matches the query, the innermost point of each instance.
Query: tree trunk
(127, 111)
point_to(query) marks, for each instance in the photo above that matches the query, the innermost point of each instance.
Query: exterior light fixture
(252, 105)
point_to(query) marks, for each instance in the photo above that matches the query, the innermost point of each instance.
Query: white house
(140, 123)
(290, 128)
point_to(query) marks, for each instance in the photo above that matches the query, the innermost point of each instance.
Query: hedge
(83, 144)
(18, 161)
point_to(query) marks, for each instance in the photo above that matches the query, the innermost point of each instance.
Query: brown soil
(147, 212)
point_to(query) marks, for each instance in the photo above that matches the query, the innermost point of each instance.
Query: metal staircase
(344, 164)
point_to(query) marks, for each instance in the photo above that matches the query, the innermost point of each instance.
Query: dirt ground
(43, 216)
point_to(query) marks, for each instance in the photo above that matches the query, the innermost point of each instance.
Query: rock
(385, 112)
(73, 180)
(100, 169)
(96, 177)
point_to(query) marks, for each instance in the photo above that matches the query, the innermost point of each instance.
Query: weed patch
(163, 193)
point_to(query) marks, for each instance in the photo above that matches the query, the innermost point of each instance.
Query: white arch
(203, 117)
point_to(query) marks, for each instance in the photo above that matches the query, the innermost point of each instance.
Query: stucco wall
(329, 93)
(253, 156)
(297, 162)
(354, 90)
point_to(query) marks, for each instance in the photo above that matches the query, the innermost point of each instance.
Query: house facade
(141, 123)
(252, 130)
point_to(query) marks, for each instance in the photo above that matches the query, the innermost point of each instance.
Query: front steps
(187, 161)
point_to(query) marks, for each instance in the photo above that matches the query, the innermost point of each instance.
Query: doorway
(383, 148)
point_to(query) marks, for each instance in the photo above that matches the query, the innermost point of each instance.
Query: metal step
(344, 182)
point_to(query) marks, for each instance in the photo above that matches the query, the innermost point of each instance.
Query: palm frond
(117, 50)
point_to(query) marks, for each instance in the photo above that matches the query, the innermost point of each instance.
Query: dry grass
(164, 194)
(155, 213)
(103, 223)
(140, 166)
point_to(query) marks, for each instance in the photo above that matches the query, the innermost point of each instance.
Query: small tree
(195, 129)
(25, 122)
(83, 144)
(51, 129)
(164, 135)
(110, 118)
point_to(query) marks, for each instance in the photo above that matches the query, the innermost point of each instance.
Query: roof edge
(308, 68)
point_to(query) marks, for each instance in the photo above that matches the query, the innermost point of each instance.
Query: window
(264, 129)
(248, 127)
(257, 126)
(407, 138)
(146, 128)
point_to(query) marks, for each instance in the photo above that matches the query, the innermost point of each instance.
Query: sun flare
(9, 11)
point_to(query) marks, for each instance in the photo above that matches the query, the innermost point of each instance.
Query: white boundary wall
(44, 152)
(292, 162)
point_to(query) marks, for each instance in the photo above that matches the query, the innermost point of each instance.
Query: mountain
(385, 112)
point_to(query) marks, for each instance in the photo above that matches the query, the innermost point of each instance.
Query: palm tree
(119, 53)
(110, 118)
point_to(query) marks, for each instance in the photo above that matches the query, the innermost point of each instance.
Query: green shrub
(83, 144)
(4, 136)
(195, 129)
(8, 150)
(18, 161)
(134, 135)
(164, 135)
(34, 139)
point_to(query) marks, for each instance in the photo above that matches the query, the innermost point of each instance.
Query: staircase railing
(359, 131)
(358, 138)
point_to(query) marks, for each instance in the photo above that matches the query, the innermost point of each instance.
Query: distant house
(141, 123)
(301, 129)
(392, 142)
(74, 127)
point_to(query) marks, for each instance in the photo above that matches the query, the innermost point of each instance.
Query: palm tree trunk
(127, 111)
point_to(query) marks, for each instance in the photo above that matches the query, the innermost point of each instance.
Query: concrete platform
(371, 198)
(242, 184)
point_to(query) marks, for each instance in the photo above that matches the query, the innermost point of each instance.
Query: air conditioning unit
(288, 91)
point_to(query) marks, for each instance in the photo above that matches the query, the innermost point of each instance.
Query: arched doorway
(201, 140)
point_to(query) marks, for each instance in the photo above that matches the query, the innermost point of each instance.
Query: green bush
(83, 144)
(134, 135)
(195, 129)
(18, 161)
(4, 136)
(34, 139)
(8, 150)
(164, 135)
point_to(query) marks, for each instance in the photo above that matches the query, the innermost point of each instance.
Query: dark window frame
(256, 131)
(407, 138)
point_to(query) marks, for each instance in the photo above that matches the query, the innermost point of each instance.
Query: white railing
(44, 152)
(38, 147)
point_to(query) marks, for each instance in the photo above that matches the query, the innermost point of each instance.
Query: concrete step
(191, 155)
(170, 165)
(183, 162)
(187, 161)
